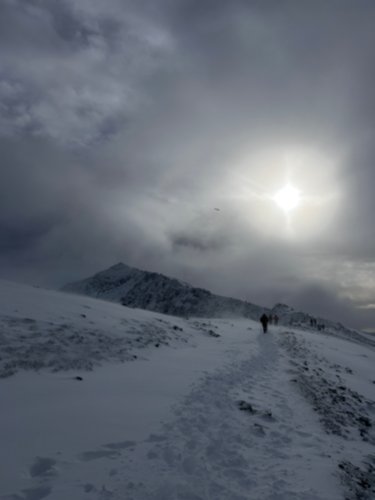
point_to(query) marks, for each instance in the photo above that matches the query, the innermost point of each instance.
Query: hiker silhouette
(264, 320)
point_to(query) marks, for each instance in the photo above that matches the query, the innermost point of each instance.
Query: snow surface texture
(208, 408)
(87, 335)
(156, 292)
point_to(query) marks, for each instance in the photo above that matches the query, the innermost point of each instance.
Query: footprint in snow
(30, 494)
(113, 450)
(87, 456)
(121, 445)
(259, 430)
(88, 488)
(155, 438)
(43, 467)
(245, 406)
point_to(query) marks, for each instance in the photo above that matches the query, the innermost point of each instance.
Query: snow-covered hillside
(45, 329)
(99, 401)
(289, 317)
(156, 292)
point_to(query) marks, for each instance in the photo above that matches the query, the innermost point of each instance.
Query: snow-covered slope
(47, 329)
(99, 401)
(156, 292)
(288, 316)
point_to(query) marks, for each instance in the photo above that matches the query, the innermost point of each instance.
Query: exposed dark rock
(245, 406)
(153, 291)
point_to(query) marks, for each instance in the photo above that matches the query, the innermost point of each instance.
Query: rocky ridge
(153, 291)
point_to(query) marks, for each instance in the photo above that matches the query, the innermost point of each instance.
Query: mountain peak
(148, 290)
(118, 268)
(119, 265)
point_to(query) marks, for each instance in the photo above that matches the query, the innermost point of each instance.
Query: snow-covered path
(218, 411)
(241, 433)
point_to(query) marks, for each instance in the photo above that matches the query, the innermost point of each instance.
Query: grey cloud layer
(122, 124)
(70, 70)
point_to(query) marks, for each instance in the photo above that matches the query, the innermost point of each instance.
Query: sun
(288, 198)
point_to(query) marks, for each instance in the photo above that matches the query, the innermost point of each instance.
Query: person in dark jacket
(264, 320)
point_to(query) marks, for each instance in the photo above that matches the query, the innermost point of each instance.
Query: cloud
(70, 71)
(325, 302)
(123, 124)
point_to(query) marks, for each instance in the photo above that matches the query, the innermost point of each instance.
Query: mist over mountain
(153, 291)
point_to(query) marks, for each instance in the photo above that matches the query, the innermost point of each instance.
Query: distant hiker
(264, 320)
(270, 319)
(276, 319)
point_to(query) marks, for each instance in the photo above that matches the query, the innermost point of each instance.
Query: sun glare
(288, 198)
(293, 194)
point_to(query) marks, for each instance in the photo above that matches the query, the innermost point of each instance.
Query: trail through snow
(241, 433)
(219, 411)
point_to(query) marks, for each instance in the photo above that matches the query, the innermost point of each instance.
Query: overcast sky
(157, 133)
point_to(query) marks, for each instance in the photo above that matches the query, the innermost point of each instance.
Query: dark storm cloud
(123, 125)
